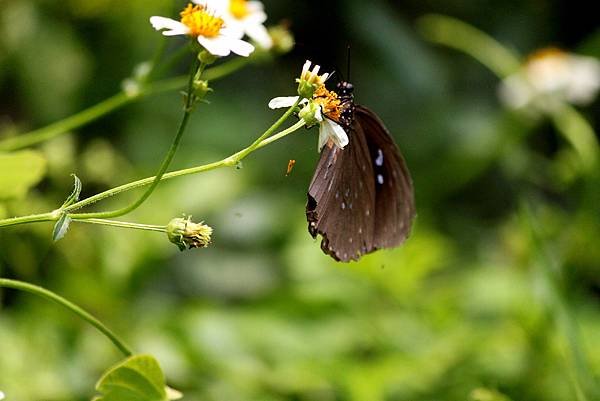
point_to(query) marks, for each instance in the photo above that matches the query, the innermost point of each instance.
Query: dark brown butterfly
(361, 197)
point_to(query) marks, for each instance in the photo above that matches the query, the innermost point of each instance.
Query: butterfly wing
(340, 192)
(394, 195)
(360, 198)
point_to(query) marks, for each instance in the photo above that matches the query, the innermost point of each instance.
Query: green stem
(33, 218)
(579, 133)
(124, 224)
(228, 161)
(111, 104)
(197, 67)
(47, 294)
(549, 269)
(458, 35)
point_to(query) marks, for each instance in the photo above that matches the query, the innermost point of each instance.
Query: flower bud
(310, 81)
(184, 233)
(206, 57)
(201, 88)
(283, 40)
(311, 114)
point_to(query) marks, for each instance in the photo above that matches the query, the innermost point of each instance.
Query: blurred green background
(488, 300)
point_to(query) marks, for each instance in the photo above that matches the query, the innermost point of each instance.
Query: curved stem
(47, 294)
(461, 36)
(579, 133)
(196, 68)
(228, 161)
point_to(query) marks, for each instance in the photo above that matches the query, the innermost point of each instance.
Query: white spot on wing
(379, 159)
(379, 179)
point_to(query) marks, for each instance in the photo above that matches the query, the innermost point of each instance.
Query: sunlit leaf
(138, 378)
(19, 171)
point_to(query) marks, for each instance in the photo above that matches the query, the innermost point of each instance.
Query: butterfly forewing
(360, 198)
(340, 192)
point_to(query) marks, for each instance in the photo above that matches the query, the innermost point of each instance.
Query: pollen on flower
(329, 102)
(200, 21)
(548, 52)
(239, 8)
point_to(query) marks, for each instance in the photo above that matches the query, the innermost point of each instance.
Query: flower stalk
(265, 139)
(49, 295)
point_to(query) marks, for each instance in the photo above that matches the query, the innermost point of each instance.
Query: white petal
(219, 6)
(260, 35)
(256, 17)
(218, 46)
(254, 6)
(331, 130)
(515, 92)
(305, 67)
(283, 101)
(233, 29)
(173, 27)
(323, 137)
(240, 47)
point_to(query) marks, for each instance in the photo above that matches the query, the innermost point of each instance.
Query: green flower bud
(186, 234)
(201, 88)
(311, 114)
(283, 40)
(206, 57)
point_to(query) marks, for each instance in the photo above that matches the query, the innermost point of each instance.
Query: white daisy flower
(312, 114)
(321, 106)
(551, 77)
(243, 17)
(208, 29)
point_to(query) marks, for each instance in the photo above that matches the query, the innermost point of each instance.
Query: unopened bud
(184, 233)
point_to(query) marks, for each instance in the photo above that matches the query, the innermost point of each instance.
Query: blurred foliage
(462, 311)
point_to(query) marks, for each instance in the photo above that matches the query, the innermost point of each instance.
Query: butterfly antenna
(348, 61)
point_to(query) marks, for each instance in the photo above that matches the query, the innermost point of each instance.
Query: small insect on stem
(290, 166)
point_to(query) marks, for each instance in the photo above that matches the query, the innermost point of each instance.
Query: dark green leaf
(61, 227)
(74, 197)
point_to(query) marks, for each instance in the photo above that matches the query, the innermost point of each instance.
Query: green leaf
(74, 197)
(19, 171)
(138, 378)
(61, 227)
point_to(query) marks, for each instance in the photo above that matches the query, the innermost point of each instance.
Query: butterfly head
(345, 89)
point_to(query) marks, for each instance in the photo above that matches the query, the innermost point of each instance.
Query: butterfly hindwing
(394, 199)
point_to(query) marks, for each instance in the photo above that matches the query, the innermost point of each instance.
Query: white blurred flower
(243, 17)
(551, 77)
(1, 395)
(209, 30)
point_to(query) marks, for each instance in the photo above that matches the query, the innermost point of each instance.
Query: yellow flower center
(239, 8)
(330, 104)
(200, 21)
(546, 53)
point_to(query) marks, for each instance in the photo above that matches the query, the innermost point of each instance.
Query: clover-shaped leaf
(137, 378)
